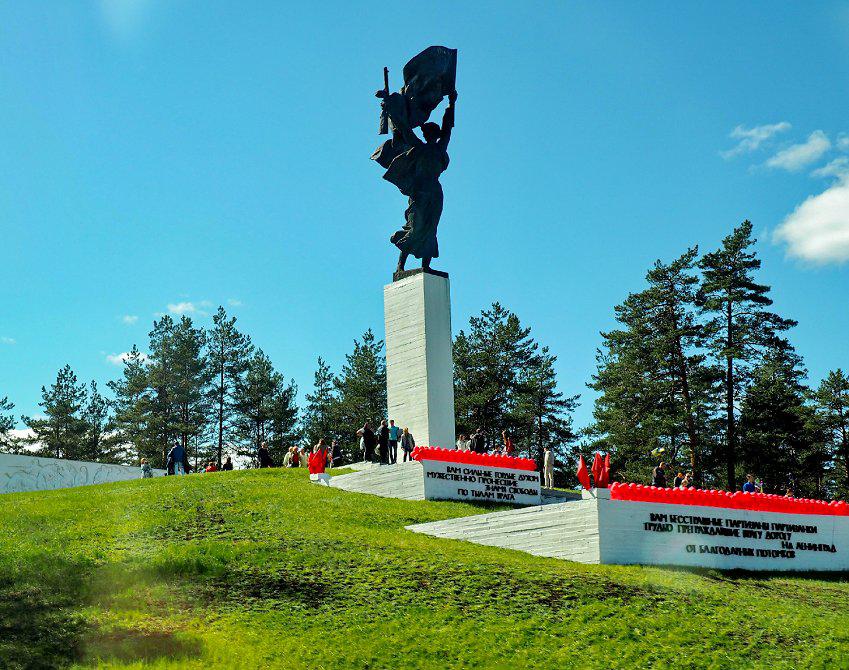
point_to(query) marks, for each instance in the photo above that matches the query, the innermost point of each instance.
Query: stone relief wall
(33, 473)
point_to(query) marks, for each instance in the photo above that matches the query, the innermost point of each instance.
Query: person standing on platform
(369, 442)
(509, 448)
(383, 442)
(548, 468)
(658, 476)
(335, 453)
(676, 483)
(394, 434)
(479, 442)
(463, 443)
(749, 486)
(407, 444)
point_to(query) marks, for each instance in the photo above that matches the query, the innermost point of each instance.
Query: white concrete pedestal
(419, 364)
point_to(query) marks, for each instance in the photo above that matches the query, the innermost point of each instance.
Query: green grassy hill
(261, 569)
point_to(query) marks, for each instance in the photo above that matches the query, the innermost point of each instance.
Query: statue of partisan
(411, 164)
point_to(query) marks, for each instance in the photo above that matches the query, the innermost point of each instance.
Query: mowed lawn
(258, 569)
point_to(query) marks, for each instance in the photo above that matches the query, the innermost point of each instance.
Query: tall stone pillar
(419, 363)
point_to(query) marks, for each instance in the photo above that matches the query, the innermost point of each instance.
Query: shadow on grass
(131, 645)
(740, 575)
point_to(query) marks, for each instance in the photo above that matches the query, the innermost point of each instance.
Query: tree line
(699, 373)
(215, 393)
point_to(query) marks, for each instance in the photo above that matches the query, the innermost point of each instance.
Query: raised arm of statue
(448, 120)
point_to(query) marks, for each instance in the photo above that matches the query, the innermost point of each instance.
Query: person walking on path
(178, 455)
(658, 476)
(394, 434)
(147, 471)
(369, 442)
(407, 444)
(264, 457)
(383, 442)
(548, 468)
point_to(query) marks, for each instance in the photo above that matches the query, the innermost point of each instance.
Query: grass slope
(260, 569)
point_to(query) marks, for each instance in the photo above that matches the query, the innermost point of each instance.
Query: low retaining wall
(34, 473)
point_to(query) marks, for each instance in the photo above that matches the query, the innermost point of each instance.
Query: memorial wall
(34, 473)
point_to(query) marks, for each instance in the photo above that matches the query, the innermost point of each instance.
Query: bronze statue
(414, 165)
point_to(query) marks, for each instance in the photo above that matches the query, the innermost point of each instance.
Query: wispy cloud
(818, 229)
(118, 359)
(836, 168)
(129, 319)
(186, 307)
(749, 139)
(801, 155)
(8, 340)
(843, 142)
(124, 19)
(233, 302)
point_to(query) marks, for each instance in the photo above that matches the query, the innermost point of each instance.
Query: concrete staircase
(567, 530)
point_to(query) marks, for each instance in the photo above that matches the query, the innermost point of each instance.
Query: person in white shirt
(548, 468)
(464, 443)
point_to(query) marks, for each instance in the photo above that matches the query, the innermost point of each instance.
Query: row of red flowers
(473, 458)
(759, 502)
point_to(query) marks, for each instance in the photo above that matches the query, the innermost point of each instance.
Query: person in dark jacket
(177, 455)
(479, 442)
(264, 457)
(227, 464)
(369, 442)
(658, 476)
(383, 442)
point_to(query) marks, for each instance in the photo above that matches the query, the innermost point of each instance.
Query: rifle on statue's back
(384, 117)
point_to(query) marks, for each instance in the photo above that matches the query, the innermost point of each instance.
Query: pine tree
(488, 366)
(832, 401)
(7, 423)
(160, 424)
(779, 439)
(283, 419)
(228, 352)
(62, 432)
(543, 410)
(97, 444)
(255, 394)
(739, 326)
(132, 411)
(189, 393)
(321, 411)
(656, 391)
(361, 386)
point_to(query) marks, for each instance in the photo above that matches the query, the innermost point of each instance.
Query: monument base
(419, 364)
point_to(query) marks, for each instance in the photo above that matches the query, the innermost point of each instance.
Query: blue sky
(173, 156)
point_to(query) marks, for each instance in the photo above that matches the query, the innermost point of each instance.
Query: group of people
(382, 445)
(685, 480)
(476, 442)
(177, 463)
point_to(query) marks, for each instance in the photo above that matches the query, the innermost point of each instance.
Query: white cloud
(751, 138)
(118, 359)
(234, 303)
(818, 229)
(129, 319)
(124, 19)
(801, 155)
(186, 307)
(843, 142)
(8, 340)
(836, 168)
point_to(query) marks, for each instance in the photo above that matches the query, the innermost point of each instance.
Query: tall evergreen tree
(656, 391)
(228, 353)
(97, 444)
(189, 393)
(7, 424)
(832, 401)
(543, 410)
(161, 422)
(255, 394)
(132, 410)
(779, 438)
(361, 386)
(283, 419)
(61, 433)
(321, 410)
(739, 325)
(489, 362)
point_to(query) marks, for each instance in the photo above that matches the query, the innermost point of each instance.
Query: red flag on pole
(597, 468)
(604, 480)
(583, 474)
